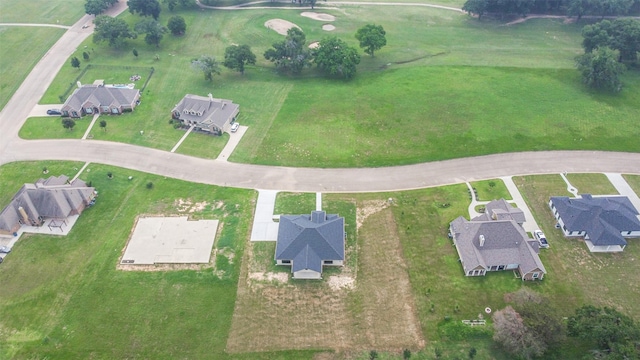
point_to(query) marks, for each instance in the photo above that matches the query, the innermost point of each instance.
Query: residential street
(223, 173)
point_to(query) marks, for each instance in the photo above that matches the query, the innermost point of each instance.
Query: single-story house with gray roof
(603, 221)
(206, 113)
(309, 242)
(487, 244)
(97, 98)
(52, 198)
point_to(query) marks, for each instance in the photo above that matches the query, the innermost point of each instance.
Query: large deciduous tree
(477, 7)
(208, 65)
(600, 69)
(113, 30)
(620, 34)
(515, 337)
(171, 4)
(145, 8)
(290, 55)
(372, 38)
(613, 332)
(237, 56)
(336, 57)
(153, 31)
(97, 7)
(177, 25)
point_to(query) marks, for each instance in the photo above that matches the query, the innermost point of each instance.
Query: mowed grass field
(20, 49)
(65, 12)
(62, 297)
(445, 86)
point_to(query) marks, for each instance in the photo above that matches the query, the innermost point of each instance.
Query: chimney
(25, 217)
(481, 240)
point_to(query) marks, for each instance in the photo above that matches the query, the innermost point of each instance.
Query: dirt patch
(337, 313)
(318, 16)
(314, 45)
(188, 206)
(280, 26)
(282, 278)
(328, 27)
(368, 208)
(338, 282)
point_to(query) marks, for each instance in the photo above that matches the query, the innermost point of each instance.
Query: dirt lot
(374, 306)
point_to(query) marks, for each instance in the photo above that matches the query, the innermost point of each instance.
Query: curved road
(12, 148)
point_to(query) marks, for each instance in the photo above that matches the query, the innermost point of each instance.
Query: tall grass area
(22, 48)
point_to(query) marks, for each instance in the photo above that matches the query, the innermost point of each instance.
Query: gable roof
(308, 240)
(501, 210)
(97, 95)
(54, 197)
(206, 110)
(602, 218)
(505, 243)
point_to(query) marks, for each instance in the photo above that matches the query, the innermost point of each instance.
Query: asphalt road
(222, 173)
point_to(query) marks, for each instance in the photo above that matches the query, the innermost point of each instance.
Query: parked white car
(235, 127)
(542, 240)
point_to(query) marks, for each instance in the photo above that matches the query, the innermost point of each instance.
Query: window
(536, 275)
(285, 261)
(328, 262)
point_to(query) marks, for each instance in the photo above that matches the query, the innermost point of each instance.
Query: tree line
(576, 8)
(531, 325)
(609, 47)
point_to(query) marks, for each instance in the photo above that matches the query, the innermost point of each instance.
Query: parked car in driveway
(235, 127)
(54, 112)
(5, 250)
(542, 240)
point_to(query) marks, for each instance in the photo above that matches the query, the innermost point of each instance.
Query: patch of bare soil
(188, 206)
(389, 318)
(280, 26)
(318, 16)
(368, 208)
(338, 312)
(314, 45)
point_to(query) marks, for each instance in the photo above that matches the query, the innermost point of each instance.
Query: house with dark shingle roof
(309, 242)
(604, 221)
(495, 241)
(206, 113)
(52, 198)
(97, 98)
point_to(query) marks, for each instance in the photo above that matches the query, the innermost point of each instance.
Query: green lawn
(51, 127)
(431, 94)
(596, 184)
(491, 190)
(63, 297)
(22, 48)
(295, 203)
(634, 182)
(578, 276)
(65, 12)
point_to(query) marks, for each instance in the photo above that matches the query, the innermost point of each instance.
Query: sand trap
(328, 27)
(280, 26)
(314, 45)
(318, 16)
